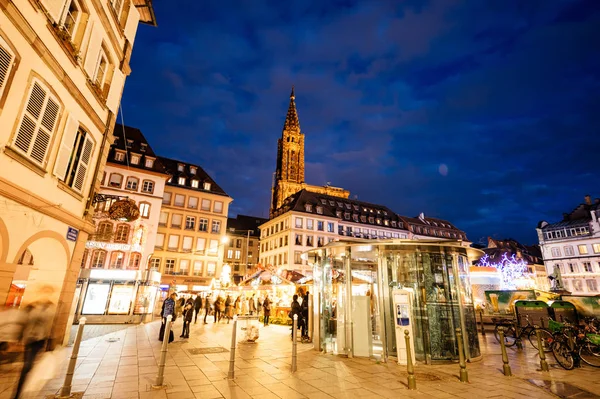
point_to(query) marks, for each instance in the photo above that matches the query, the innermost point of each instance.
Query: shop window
(122, 233)
(116, 260)
(134, 261)
(104, 232)
(98, 259)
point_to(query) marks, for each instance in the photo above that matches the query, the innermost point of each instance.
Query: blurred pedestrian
(207, 306)
(252, 305)
(197, 306)
(266, 310)
(188, 314)
(168, 308)
(228, 308)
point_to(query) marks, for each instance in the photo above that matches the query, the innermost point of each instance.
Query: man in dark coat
(197, 306)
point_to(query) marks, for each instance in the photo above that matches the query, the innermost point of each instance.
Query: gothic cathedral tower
(289, 176)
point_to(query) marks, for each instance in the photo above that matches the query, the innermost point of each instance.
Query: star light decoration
(511, 269)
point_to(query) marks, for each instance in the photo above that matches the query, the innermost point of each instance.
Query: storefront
(116, 296)
(365, 290)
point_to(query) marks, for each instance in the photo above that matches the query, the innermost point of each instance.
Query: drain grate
(206, 351)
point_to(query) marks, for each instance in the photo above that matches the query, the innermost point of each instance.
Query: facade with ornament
(571, 248)
(126, 214)
(192, 229)
(63, 65)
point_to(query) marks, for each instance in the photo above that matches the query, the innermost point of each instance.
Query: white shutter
(6, 63)
(37, 123)
(83, 166)
(200, 244)
(66, 148)
(54, 9)
(187, 243)
(160, 240)
(116, 90)
(133, 19)
(173, 241)
(93, 51)
(176, 220)
(163, 217)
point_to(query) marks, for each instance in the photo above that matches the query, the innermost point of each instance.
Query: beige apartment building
(63, 65)
(192, 229)
(242, 250)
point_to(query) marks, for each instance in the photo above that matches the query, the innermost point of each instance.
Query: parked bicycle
(572, 343)
(513, 333)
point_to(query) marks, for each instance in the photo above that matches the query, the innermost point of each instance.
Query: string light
(512, 270)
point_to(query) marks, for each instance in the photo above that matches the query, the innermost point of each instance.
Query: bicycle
(513, 333)
(573, 343)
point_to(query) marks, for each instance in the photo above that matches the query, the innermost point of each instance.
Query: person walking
(207, 301)
(304, 315)
(266, 310)
(168, 308)
(218, 308)
(228, 309)
(252, 305)
(197, 307)
(237, 307)
(295, 310)
(188, 313)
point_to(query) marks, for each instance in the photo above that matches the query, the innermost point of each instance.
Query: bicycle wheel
(590, 354)
(547, 339)
(562, 354)
(510, 335)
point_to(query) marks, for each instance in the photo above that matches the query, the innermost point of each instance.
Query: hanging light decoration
(511, 269)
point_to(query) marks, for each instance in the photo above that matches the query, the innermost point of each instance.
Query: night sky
(486, 115)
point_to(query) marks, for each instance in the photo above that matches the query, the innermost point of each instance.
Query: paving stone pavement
(123, 364)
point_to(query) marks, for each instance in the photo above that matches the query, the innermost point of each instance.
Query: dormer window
(129, 143)
(386, 222)
(193, 170)
(119, 156)
(338, 214)
(135, 159)
(207, 186)
(348, 206)
(394, 223)
(323, 201)
(149, 163)
(181, 181)
(143, 147)
(180, 167)
(308, 207)
(331, 202)
(194, 183)
(355, 207)
(320, 210)
(340, 204)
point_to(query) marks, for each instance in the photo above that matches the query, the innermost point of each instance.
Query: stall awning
(263, 279)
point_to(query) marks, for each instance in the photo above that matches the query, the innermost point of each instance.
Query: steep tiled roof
(132, 140)
(496, 248)
(433, 224)
(172, 166)
(580, 216)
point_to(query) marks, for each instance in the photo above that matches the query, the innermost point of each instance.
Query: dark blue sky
(487, 115)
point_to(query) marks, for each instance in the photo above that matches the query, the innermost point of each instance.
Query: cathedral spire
(291, 119)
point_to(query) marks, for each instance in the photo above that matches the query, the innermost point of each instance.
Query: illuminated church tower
(289, 175)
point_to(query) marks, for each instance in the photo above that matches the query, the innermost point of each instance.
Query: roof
(332, 205)
(433, 226)
(132, 140)
(146, 11)
(496, 248)
(580, 216)
(172, 166)
(244, 223)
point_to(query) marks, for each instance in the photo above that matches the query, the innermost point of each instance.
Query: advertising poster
(95, 299)
(502, 302)
(120, 299)
(144, 302)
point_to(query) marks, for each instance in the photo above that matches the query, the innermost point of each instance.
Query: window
(104, 232)
(587, 266)
(115, 180)
(173, 243)
(148, 186)
(176, 220)
(238, 243)
(299, 223)
(162, 219)
(135, 159)
(74, 156)
(116, 6)
(193, 170)
(101, 70)
(572, 268)
(238, 254)
(211, 268)
(181, 181)
(200, 245)
(582, 249)
(187, 244)
(320, 225)
(190, 223)
(298, 239)
(116, 260)
(170, 266)
(320, 210)
(179, 200)
(149, 163)
(37, 123)
(203, 224)
(596, 248)
(155, 264)
(230, 254)
(207, 186)
(218, 207)
(330, 227)
(569, 250)
(555, 252)
(310, 224)
(285, 240)
(180, 167)
(298, 257)
(184, 267)
(577, 285)
(7, 60)
(122, 233)
(132, 183)
(592, 285)
(197, 270)
(159, 242)
(167, 198)
(134, 261)
(193, 202)
(309, 241)
(98, 259)
(308, 207)
(194, 183)
(216, 226)
(213, 247)
(205, 205)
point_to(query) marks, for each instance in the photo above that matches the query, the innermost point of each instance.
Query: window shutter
(93, 51)
(6, 63)
(116, 90)
(54, 9)
(133, 19)
(84, 162)
(66, 148)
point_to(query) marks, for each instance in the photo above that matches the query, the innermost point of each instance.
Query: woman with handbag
(168, 308)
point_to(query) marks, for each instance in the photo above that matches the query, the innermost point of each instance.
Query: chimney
(588, 200)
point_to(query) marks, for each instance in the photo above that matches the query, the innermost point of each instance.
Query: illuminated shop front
(117, 296)
(365, 292)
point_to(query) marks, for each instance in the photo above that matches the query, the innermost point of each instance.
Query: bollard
(543, 362)
(481, 321)
(163, 355)
(294, 343)
(231, 373)
(65, 391)
(506, 366)
(464, 376)
(412, 382)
